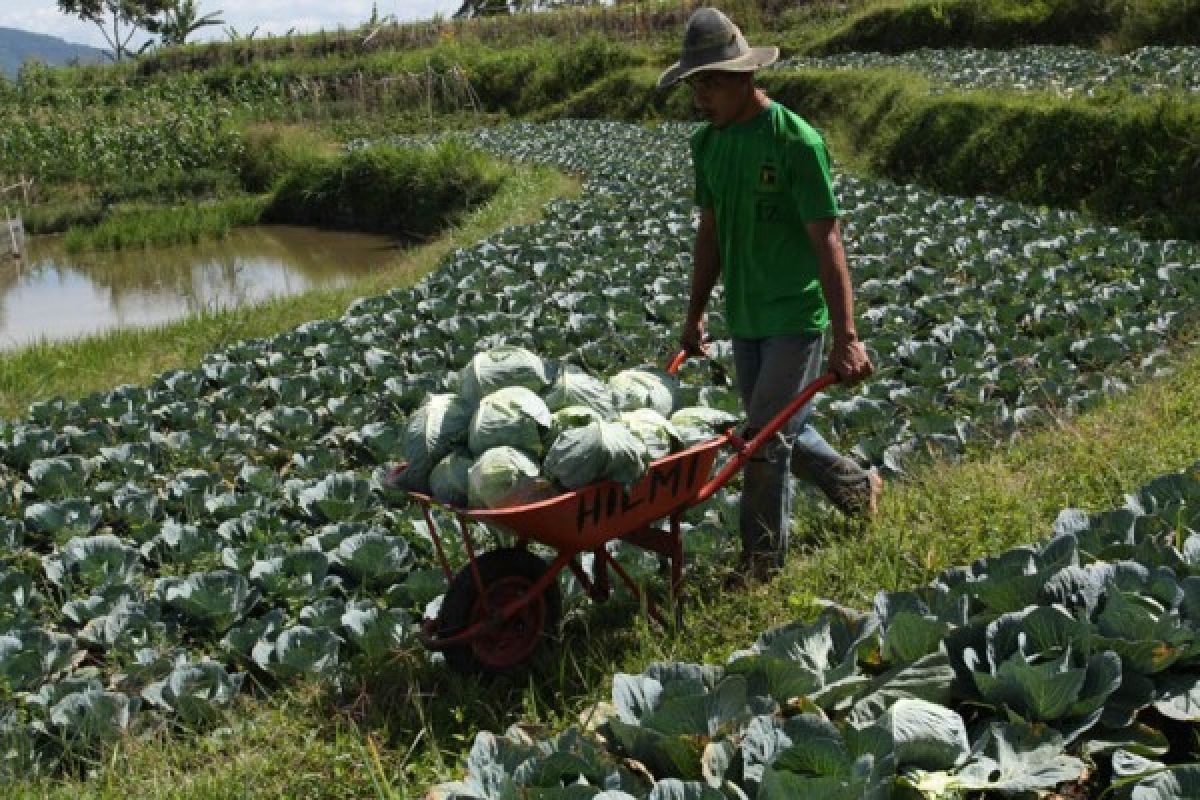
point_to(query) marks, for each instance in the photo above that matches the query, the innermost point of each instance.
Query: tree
(183, 20)
(119, 20)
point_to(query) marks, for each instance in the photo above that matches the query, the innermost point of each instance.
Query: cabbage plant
(214, 599)
(196, 692)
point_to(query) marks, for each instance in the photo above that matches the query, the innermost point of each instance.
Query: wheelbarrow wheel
(506, 574)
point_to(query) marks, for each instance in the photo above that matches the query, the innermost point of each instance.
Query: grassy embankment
(392, 735)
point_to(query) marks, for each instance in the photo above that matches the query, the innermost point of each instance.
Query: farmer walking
(769, 230)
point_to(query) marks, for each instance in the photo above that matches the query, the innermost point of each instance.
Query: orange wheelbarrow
(501, 604)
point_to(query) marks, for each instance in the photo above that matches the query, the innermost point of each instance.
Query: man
(769, 229)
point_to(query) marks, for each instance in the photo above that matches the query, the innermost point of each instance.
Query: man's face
(721, 96)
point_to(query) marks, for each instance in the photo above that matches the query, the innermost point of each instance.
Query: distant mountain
(16, 46)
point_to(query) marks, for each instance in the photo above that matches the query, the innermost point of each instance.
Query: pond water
(54, 295)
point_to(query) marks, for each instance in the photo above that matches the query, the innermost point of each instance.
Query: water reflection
(55, 295)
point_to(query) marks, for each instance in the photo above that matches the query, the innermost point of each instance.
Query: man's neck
(756, 103)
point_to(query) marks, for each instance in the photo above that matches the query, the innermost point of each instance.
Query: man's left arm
(849, 357)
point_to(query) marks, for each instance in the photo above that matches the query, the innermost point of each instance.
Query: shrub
(271, 151)
(410, 192)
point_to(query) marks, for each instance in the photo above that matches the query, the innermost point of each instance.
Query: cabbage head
(431, 433)
(512, 417)
(572, 417)
(502, 367)
(598, 451)
(575, 387)
(653, 429)
(448, 481)
(697, 424)
(645, 388)
(503, 477)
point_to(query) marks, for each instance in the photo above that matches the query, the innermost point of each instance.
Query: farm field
(1061, 70)
(232, 519)
(207, 561)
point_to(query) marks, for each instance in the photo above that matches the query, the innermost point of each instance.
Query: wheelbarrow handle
(748, 449)
(677, 362)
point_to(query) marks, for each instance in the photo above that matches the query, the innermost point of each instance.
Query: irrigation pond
(55, 295)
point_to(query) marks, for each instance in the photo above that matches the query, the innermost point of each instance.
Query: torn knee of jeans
(776, 450)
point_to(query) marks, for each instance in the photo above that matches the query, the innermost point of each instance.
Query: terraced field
(1066, 71)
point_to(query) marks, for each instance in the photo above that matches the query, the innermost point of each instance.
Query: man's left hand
(849, 361)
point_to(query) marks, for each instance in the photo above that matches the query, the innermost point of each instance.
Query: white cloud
(269, 16)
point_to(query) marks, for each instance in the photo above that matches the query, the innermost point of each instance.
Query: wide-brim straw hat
(711, 42)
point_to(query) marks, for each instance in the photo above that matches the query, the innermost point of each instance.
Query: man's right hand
(692, 338)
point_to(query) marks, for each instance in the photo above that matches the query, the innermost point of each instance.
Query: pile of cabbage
(521, 428)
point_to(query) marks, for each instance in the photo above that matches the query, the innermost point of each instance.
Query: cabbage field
(1067, 71)
(161, 544)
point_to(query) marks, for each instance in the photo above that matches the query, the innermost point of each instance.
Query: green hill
(16, 47)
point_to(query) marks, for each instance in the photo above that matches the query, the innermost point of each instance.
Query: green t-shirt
(765, 179)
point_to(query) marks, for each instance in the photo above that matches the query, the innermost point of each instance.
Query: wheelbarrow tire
(505, 574)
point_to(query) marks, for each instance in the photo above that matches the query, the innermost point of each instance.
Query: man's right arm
(706, 268)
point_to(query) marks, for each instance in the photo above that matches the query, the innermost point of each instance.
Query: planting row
(157, 540)
(1068, 71)
(1055, 663)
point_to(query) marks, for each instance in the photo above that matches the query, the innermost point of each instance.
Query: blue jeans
(770, 373)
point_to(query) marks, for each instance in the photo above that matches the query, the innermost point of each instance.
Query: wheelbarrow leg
(602, 587)
(631, 585)
(677, 570)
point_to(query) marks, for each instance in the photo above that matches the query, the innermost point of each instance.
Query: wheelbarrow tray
(590, 516)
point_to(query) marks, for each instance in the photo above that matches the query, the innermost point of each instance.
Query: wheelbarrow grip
(777, 422)
(677, 362)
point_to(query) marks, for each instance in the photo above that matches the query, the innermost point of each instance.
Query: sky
(270, 16)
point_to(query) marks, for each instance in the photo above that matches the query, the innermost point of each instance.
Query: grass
(399, 728)
(165, 227)
(73, 369)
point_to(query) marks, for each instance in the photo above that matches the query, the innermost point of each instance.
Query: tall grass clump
(410, 192)
(163, 227)
(522, 79)
(60, 217)
(269, 152)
